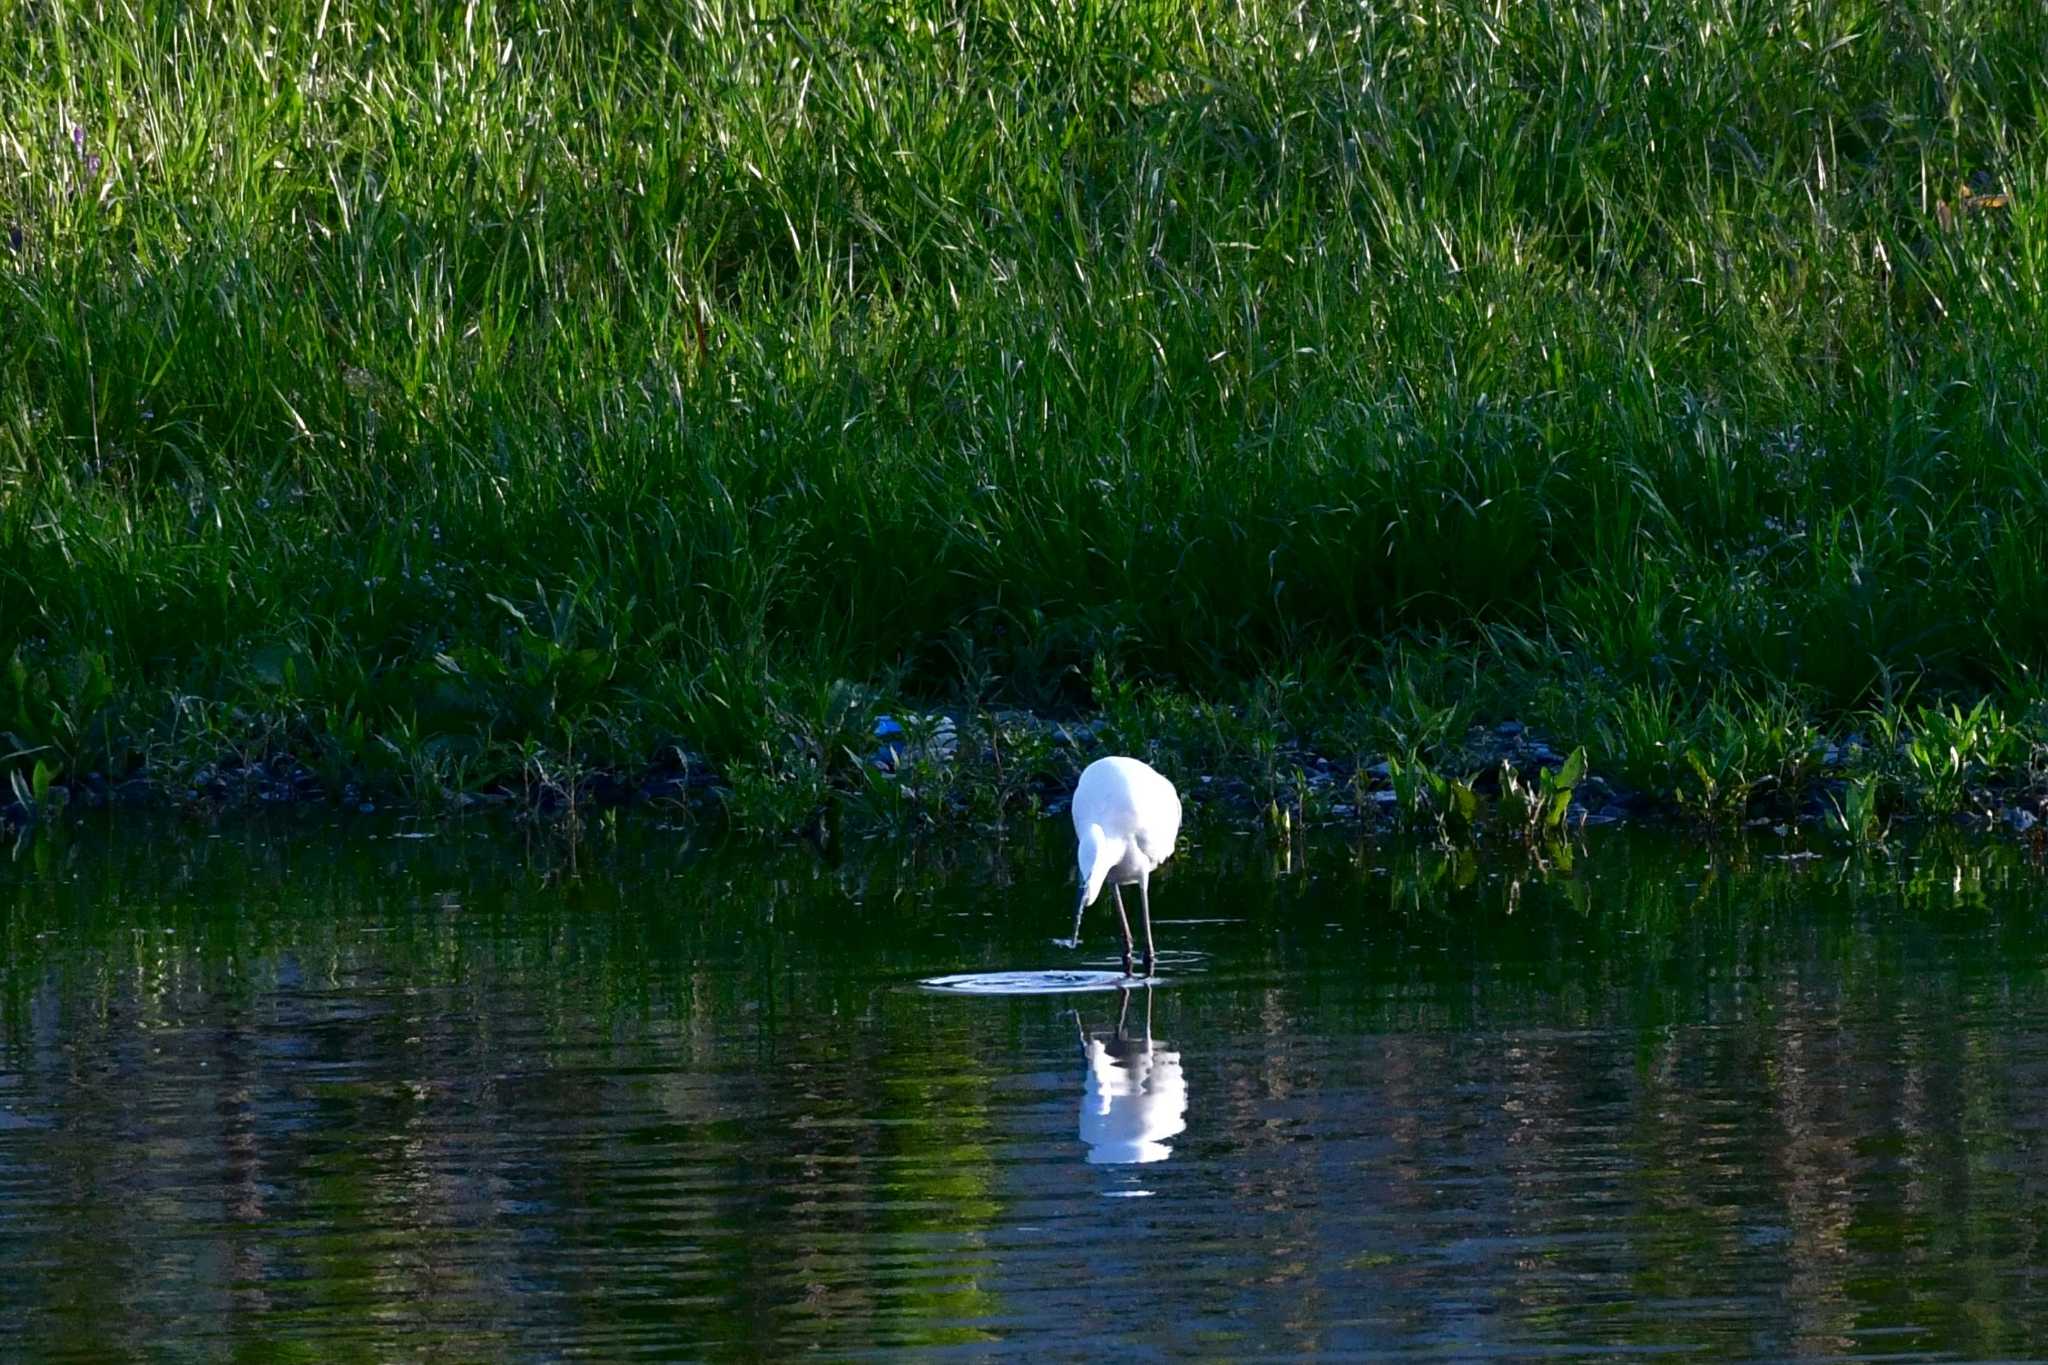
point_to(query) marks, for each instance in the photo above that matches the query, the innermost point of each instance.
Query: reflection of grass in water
(935, 1193)
(515, 388)
(1375, 1260)
(850, 1136)
(412, 1000)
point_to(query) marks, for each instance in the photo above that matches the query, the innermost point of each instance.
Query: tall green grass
(379, 376)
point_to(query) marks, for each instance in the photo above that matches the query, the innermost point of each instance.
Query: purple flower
(91, 159)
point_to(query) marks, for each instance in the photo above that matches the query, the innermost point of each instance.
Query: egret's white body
(1126, 818)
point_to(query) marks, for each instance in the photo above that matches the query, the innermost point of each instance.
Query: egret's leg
(1145, 904)
(1117, 893)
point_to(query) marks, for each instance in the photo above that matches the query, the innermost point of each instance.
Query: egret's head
(1097, 854)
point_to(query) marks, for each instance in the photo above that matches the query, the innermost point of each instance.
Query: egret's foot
(1127, 965)
(1149, 965)
(1066, 943)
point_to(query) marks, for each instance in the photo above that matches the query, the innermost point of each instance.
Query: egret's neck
(1097, 854)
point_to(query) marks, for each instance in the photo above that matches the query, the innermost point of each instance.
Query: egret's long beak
(1073, 940)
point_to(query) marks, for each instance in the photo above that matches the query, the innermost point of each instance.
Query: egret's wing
(1156, 835)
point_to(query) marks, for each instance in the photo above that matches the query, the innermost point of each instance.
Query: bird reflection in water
(1134, 1096)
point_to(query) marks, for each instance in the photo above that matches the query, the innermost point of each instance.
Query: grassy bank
(441, 399)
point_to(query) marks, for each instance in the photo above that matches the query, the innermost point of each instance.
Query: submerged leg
(1145, 905)
(1117, 893)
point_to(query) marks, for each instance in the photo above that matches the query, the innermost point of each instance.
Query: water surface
(313, 1091)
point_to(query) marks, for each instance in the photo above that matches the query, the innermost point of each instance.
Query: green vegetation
(441, 399)
(1537, 809)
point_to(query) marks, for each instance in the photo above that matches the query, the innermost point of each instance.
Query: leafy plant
(1409, 779)
(1429, 801)
(1950, 751)
(1857, 816)
(1533, 809)
(1456, 805)
(1719, 781)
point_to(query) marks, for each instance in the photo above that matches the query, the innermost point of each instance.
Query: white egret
(1126, 817)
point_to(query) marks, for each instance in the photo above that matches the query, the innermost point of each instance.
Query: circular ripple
(1033, 983)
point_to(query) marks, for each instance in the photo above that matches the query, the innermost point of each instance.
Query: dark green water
(301, 1093)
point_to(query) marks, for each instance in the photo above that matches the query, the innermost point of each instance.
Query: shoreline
(952, 772)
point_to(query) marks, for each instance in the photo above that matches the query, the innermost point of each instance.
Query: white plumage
(1126, 817)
